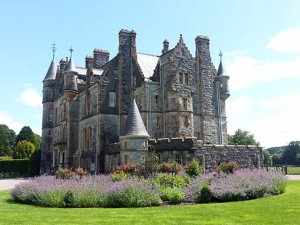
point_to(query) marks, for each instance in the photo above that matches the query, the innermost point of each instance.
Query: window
(174, 121)
(156, 99)
(184, 102)
(50, 117)
(177, 157)
(112, 99)
(157, 121)
(185, 121)
(181, 77)
(87, 104)
(186, 78)
(87, 138)
(173, 103)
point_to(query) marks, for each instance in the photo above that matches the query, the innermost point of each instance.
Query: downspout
(220, 129)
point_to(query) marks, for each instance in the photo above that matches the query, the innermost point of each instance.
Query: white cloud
(273, 122)
(245, 71)
(239, 107)
(30, 97)
(6, 119)
(286, 41)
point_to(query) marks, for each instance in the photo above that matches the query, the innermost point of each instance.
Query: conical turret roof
(70, 66)
(134, 124)
(221, 70)
(51, 71)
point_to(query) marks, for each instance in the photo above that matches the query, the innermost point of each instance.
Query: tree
(23, 150)
(7, 139)
(242, 137)
(37, 141)
(266, 156)
(291, 152)
(26, 134)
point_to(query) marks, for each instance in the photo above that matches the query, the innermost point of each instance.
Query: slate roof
(147, 63)
(82, 71)
(51, 71)
(71, 66)
(221, 70)
(134, 124)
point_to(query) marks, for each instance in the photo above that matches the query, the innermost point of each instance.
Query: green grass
(282, 209)
(293, 170)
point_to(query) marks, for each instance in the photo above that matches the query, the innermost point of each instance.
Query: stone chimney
(89, 61)
(127, 44)
(166, 46)
(101, 57)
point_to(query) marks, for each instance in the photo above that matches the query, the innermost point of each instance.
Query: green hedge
(14, 165)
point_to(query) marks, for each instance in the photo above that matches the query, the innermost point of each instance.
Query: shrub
(2, 158)
(167, 180)
(23, 150)
(119, 175)
(205, 195)
(172, 167)
(246, 184)
(90, 191)
(174, 195)
(34, 164)
(14, 166)
(69, 173)
(192, 191)
(228, 167)
(193, 169)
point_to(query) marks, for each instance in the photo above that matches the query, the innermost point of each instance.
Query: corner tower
(47, 122)
(222, 93)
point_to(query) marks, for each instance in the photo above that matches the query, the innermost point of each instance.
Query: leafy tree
(266, 156)
(277, 159)
(26, 134)
(37, 141)
(23, 150)
(291, 152)
(7, 138)
(242, 137)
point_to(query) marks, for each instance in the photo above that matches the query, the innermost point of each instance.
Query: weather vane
(53, 49)
(71, 50)
(220, 54)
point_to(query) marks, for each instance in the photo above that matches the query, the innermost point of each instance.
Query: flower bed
(133, 191)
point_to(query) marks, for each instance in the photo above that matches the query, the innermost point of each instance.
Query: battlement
(166, 144)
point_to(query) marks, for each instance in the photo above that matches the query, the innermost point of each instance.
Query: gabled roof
(134, 124)
(51, 74)
(147, 63)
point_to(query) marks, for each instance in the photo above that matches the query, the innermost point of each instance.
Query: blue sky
(260, 40)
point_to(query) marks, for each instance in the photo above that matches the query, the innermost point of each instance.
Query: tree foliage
(242, 137)
(291, 153)
(7, 140)
(26, 134)
(23, 150)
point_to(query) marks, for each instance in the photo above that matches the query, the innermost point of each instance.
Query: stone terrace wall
(208, 155)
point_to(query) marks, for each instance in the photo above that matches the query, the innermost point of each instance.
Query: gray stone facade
(177, 96)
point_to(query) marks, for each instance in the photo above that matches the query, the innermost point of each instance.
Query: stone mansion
(112, 111)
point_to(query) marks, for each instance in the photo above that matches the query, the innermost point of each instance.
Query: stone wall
(208, 155)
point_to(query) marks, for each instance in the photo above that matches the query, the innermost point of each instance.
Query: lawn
(283, 209)
(293, 170)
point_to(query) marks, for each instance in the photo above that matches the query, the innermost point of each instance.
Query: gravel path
(7, 184)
